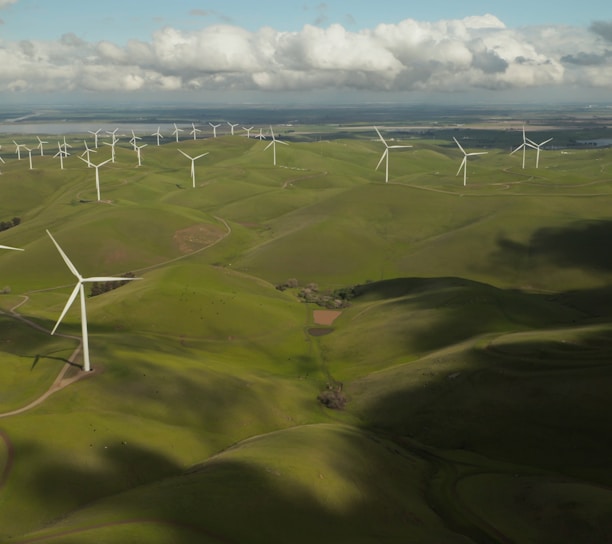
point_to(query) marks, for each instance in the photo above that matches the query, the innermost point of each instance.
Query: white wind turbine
(87, 152)
(214, 127)
(18, 149)
(66, 144)
(138, 148)
(523, 146)
(134, 139)
(176, 131)
(97, 167)
(193, 159)
(40, 145)
(29, 156)
(248, 131)
(232, 127)
(537, 148)
(273, 144)
(464, 161)
(157, 134)
(261, 135)
(385, 155)
(95, 135)
(1, 159)
(112, 144)
(61, 154)
(194, 131)
(80, 290)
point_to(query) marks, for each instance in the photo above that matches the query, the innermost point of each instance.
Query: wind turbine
(138, 148)
(176, 131)
(80, 290)
(214, 127)
(66, 144)
(158, 134)
(232, 127)
(464, 161)
(537, 148)
(40, 145)
(61, 154)
(273, 144)
(1, 159)
(18, 149)
(385, 155)
(194, 131)
(526, 143)
(97, 167)
(95, 135)
(87, 152)
(112, 144)
(248, 131)
(133, 140)
(193, 159)
(29, 155)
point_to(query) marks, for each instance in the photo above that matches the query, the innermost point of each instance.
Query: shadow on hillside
(580, 245)
(72, 481)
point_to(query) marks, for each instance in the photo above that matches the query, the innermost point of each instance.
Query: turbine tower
(385, 155)
(97, 167)
(29, 156)
(61, 154)
(192, 159)
(273, 144)
(214, 127)
(176, 131)
(138, 148)
(87, 152)
(18, 149)
(40, 146)
(95, 135)
(158, 134)
(464, 161)
(194, 131)
(79, 290)
(537, 148)
(523, 146)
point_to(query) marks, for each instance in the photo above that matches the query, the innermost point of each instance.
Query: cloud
(603, 29)
(473, 53)
(6, 3)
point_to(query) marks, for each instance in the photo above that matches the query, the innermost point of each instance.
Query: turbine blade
(463, 164)
(382, 158)
(399, 146)
(462, 150)
(107, 278)
(85, 160)
(183, 153)
(545, 142)
(478, 153)
(65, 257)
(284, 143)
(200, 156)
(271, 143)
(518, 149)
(73, 295)
(9, 247)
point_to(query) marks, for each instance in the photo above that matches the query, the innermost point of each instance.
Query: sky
(293, 51)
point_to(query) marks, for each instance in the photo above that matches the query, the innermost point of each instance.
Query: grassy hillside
(472, 360)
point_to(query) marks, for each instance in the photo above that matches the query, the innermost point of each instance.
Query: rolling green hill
(472, 360)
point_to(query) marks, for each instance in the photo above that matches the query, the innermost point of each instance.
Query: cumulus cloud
(448, 55)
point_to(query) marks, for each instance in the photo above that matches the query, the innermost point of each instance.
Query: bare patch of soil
(197, 236)
(325, 317)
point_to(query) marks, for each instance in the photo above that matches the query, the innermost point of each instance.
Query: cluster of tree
(333, 397)
(336, 299)
(5, 225)
(101, 287)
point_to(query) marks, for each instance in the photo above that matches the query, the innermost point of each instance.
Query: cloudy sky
(289, 51)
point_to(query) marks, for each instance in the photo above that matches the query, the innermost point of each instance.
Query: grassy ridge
(477, 346)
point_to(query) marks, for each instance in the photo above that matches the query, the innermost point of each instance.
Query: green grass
(477, 347)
